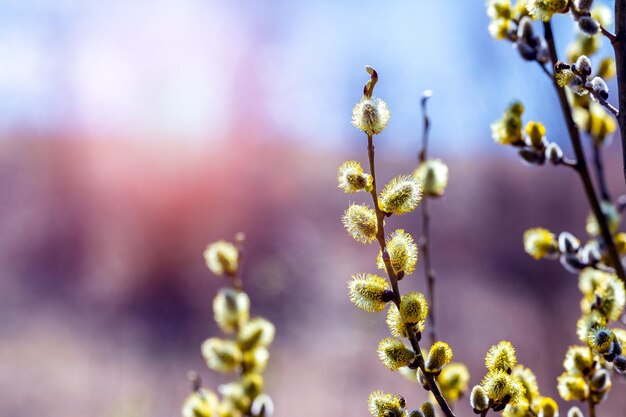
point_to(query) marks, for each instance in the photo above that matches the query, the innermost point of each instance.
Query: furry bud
(583, 65)
(554, 153)
(413, 307)
(532, 156)
(583, 6)
(371, 115)
(571, 263)
(619, 362)
(222, 258)
(361, 223)
(369, 292)
(256, 332)
(202, 403)
(588, 25)
(393, 354)
(351, 177)
(601, 381)
(568, 243)
(601, 340)
(600, 88)
(439, 356)
(231, 309)
(575, 412)
(478, 399)
(428, 409)
(262, 406)
(432, 176)
(401, 195)
(221, 355)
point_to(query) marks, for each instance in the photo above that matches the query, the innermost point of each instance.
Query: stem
(592, 407)
(599, 165)
(619, 46)
(581, 163)
(429, 273)
(380, 237)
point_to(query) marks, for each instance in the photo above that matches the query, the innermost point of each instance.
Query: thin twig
(599, 165)
(619, 46)
(611, 36)
(380, 237)
(429, 273)
(581, 162)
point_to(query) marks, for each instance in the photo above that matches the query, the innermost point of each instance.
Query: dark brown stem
(599, 165)
(581, 162)
(380, 237)
(619, 46)
(429, 273)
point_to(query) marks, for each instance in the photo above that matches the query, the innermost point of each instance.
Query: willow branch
(429, 273)
(393, 278)
(581, 162)
(619, 46)
(599, 166)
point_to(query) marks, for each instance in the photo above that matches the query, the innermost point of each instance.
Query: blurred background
(132, 134)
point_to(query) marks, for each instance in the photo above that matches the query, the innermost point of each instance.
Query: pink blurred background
(134, 133)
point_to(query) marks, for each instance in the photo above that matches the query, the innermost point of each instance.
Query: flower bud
(256, 360)
(588, 25)
(547, 407)
(428, 409)
(542, 9)
(221, 355)
(497, 385)
(571, 263)
(501, 357)
(578, 360)
(439, 356)
(600, 381)
(401, 195)
(600, 340)
(371, 115)
(231, 309)
(583, 6)
(478, 399)
(222, 258)
(262, 406)
(202, 403)
(453, 381)
(402, 252)
(367, 292)
(351, 177)
(572, 387)
(393, 354)
(432, 176)
(532, 156)
(380, 404)
(535, 132)
(421, 378)
(575, 412)
(590, 254)
(583, 65)
(554, 153)
(600, 88)
(413, 307)
(361, 223)
(620, 364)
(540, 243)
(568, 243)
(416, 413)
(256, 332)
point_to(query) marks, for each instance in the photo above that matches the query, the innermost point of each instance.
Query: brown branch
(619, 46)
(429, 273)
(581, 163)
(393, 278)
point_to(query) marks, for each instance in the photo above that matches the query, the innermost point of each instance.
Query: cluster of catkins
(510, 388)
(531, 140)
(244, 354)
(406, 315)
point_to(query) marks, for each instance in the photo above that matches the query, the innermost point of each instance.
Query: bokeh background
(134, 133)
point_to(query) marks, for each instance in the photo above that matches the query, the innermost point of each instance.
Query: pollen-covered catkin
(368, 292)
(202, 403)
(360, 222)
(432, 175)
(501, 357)
(439, 356)
(221, 355)
(256, 332)
(351, 177)
(540, 242)
(231, 309)
(222, 258)
(413, 307)
(371, 115)
(380, 403)
(393, 354)
(401, 195)
(402, 252)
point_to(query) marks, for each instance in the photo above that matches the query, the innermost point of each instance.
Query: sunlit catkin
(256, 332)
(393, 354)
(401, 195)
(380, 404)
(369, 292)
(202, 403)
(439, 356)
(222, 258)
(413, 307)
(501, 357)
(231, 309)
(221, 355)
(360, 222)
(351, 177)
(402, 252)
